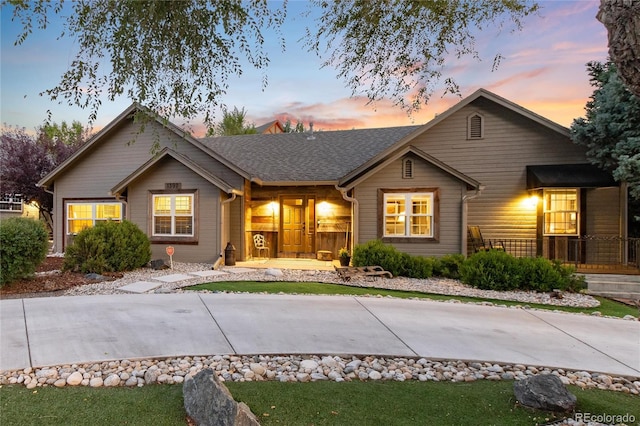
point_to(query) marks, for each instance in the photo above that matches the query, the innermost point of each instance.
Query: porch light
(273, 207)
(530, 202)
(324, 208)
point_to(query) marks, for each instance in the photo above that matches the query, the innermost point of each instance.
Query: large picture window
(561, 212)
(409, 215)
(173, 215)
(81, 215)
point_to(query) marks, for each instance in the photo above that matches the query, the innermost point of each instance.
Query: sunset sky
(544, 70)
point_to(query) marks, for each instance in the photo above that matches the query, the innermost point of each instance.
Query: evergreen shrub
(108, 247)
(448, 266)
(23, 246)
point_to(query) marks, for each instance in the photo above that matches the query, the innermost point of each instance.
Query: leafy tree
(73, 134)
(177, 56)
(233, 123)
(26, 159)
(621, 18)
(611, 131)
(288, 129)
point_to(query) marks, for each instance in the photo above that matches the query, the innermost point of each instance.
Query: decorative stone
(158, 264)
(274, 272)
(74, 379)
(209, 403)
(308, 364)
(375, 375)
(112, 380)
(544, 392)
(257, 369)
(96, 382)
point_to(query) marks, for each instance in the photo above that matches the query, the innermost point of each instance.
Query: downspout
(463, 227)
(354, 215)
(217, 263)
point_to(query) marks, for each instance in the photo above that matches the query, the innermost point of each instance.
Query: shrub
(448, 266)
(491, 270)
(375, 252)
(497, 270)
(23, 246)
(108, 247)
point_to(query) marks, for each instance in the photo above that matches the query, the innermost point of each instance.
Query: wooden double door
(297, 226)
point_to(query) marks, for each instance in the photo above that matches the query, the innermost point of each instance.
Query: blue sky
(544, 70)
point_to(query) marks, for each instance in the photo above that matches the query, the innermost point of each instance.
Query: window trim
(12, 199)
(93, 204)
(173, 238)
(545, 191)
(435, 225)
(470, 133)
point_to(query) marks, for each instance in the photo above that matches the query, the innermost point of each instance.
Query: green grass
(318, 403)
(79, 406)
(607, 307)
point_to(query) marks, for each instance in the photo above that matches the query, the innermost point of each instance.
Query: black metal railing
(586, 251)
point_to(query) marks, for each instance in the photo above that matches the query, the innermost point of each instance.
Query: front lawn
(607, 307)
(316, 403)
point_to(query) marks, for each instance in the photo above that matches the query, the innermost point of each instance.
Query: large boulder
(544, 392)
(209, 403)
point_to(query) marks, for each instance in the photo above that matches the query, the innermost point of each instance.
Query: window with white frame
(11, 202)
(82, 215)
(409, 214)
(561, 211)
(173, 215)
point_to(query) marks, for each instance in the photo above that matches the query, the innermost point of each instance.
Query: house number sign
(173, 185)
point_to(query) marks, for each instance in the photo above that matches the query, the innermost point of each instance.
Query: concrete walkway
(65, 330)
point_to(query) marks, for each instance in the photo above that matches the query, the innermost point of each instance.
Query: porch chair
(260, 245)
(478, 243)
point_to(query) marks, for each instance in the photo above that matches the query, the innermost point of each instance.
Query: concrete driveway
(65, 330)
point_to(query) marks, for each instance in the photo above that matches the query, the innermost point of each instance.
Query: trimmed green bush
(23, 246)
(497, 270)
(491, 270)
(448, 266)
(108, 247)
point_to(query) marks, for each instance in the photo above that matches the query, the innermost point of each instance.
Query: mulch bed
(46, 284)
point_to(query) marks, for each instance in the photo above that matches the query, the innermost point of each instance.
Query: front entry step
(614, 286)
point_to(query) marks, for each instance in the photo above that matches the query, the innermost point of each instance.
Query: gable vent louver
(407, 169)
(475, 127)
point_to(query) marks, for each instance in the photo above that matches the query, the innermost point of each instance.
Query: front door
(293, 225)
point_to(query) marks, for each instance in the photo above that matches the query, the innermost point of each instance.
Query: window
(407, 168)
(475, 126)
(409, 214)
(173, 215)
(86, 215)
(11, 202)
(561, 212)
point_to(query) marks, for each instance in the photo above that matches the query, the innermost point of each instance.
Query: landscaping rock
(544, 392)
(209, 403)
(158, 264)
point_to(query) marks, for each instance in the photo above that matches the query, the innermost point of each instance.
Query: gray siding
(114, 157)
(498, 161)
(605, 200)
(426, 175)
(207, 212)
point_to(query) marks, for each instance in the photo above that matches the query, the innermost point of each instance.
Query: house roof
(305, 158)
(192, 165)
(480, 93)
(127, 114)
(471, 183)
(263, 129)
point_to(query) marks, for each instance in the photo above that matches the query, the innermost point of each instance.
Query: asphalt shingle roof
(289, 157)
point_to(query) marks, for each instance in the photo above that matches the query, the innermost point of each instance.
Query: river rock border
(298, 368)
